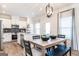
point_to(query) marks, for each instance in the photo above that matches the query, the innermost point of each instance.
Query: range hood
(14, 28)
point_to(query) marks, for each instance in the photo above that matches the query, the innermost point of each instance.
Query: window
(31, 28)
(48, 28)
(65, 24)
(37, 28)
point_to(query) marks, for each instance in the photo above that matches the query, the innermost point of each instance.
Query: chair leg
(70, 51)
(26, 54)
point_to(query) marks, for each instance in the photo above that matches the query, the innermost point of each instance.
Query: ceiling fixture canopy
(49, 10)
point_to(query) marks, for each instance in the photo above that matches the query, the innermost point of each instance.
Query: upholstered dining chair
(59, 51)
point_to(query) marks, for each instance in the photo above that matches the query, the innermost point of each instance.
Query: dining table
(46, 44)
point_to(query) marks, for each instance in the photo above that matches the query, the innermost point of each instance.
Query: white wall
(43, 19)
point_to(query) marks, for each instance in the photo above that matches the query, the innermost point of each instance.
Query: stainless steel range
(15, 30)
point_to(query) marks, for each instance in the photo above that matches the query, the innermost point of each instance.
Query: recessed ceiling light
(4, 6)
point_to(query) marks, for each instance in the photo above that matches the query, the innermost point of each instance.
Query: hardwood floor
(13, 49)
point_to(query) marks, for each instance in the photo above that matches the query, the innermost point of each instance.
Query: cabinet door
(22, 24)
(7, 37)
(6, 23)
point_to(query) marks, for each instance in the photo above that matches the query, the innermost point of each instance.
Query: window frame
(58, 18)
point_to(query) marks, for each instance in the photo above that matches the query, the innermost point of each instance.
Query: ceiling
(27, 9)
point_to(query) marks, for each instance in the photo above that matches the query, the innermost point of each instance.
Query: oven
(14, 37)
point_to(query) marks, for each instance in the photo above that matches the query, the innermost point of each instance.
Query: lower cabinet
(7, 37)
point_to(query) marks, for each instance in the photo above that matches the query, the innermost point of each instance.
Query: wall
(43, 19)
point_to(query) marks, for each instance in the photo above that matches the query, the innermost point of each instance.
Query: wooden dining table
(46, 44)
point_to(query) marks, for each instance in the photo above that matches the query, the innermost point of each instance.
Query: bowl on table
(44, 38)
(53, 37)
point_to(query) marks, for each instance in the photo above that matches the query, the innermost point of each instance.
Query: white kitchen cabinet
(7, 37)
(6, 23)
(22, 24)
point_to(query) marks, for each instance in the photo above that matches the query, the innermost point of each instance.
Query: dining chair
(30, 51)
(27, 48)
(36, 37)
(59, 51)
(61, 36)
(21, 40)
(62, 50)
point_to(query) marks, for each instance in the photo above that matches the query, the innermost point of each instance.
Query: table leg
(43, 51)
(70, 51)
(65, 43)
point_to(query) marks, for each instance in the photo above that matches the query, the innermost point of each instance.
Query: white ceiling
(27, 9)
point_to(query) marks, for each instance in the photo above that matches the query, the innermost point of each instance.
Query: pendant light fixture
(49, 10)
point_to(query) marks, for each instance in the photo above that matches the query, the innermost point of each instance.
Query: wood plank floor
(13, 49)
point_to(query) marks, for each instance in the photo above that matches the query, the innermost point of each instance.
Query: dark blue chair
(61, 50)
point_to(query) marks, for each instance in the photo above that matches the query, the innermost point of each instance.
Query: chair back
(36, 37)
(61, 36)
(21, 36)
(27, 48)
(21, 40)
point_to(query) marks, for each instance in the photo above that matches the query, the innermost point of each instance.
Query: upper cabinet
(22, 22)
(6, 20)
(15, 20)
(6, 23)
